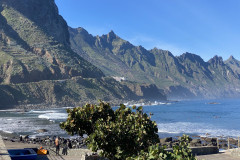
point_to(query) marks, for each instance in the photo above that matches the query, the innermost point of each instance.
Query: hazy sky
(203, 27)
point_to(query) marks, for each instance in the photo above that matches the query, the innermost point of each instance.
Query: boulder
(42, 130)
(196, 141)
(25, 136)
(164, 140)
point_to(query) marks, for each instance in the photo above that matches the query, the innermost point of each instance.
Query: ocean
(218, 118)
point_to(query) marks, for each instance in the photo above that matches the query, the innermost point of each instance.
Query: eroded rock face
(45, 14)
(34, 44)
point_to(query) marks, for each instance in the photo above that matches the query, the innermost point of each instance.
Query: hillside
(37, 64)
(185, 76)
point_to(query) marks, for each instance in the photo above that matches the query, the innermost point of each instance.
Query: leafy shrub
(156, 152)
(126, 133)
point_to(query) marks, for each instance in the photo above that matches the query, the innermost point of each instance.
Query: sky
(203, 27)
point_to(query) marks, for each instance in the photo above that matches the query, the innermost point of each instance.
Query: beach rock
(210, 139)
(196, 141)
(204, 144)
(223, 146)
(214, 140)
(233, 141)
(212, 144)
(169, 144)
(42, 130)
(25, 136)
(164, 140)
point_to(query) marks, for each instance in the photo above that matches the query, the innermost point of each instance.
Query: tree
(181, 151)
(119, 134)
(126, 133)
(81, 120)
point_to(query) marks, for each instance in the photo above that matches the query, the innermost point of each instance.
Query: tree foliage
(156, 152)
(82, 120)
(124, 133)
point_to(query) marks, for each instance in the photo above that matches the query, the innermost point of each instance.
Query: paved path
(3, 151)
(233, 154)
(73, 154)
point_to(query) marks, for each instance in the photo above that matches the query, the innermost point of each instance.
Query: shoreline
(78, 142)
(27, 107)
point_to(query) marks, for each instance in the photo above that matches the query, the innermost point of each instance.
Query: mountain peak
(231, 58)
(192, 57)
(216, 60)
(111, 35)
(156, 50)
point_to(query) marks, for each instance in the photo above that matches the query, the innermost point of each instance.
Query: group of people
(65, 145)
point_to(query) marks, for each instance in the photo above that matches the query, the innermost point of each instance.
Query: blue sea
(195, 118)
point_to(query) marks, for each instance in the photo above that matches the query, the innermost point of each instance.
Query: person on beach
(57, 145)
(69, 144)
(20, 139)
(65, 147)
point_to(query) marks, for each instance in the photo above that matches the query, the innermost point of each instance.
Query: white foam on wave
(11, 110)
(53, 116)
(160, 103)
(28, 125)
(67, 107)
(7, 131)
(196, 128)
(44, 111)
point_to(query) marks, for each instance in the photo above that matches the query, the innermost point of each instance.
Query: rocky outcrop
(35, 44)
(43, 14)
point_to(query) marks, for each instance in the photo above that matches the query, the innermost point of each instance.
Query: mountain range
(185, 76)
(44, 61)
(38, 66)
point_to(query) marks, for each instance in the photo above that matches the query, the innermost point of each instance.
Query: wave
(67, 107)
(160, 103)
(155, 103)
(11, 110)
(7, 132)
(29, 126)
(53, 116)
(42, 111)
(201, 129)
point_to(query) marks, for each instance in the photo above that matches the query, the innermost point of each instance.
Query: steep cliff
(37, 64)
(35, 44)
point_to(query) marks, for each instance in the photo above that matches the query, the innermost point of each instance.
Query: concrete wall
(204, 150)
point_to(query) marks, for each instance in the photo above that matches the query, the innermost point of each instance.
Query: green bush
(156, 152)
(126, 133)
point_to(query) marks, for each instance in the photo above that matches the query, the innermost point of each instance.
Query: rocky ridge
(181, 77)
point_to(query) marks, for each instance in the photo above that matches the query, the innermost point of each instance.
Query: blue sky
(203, 27)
